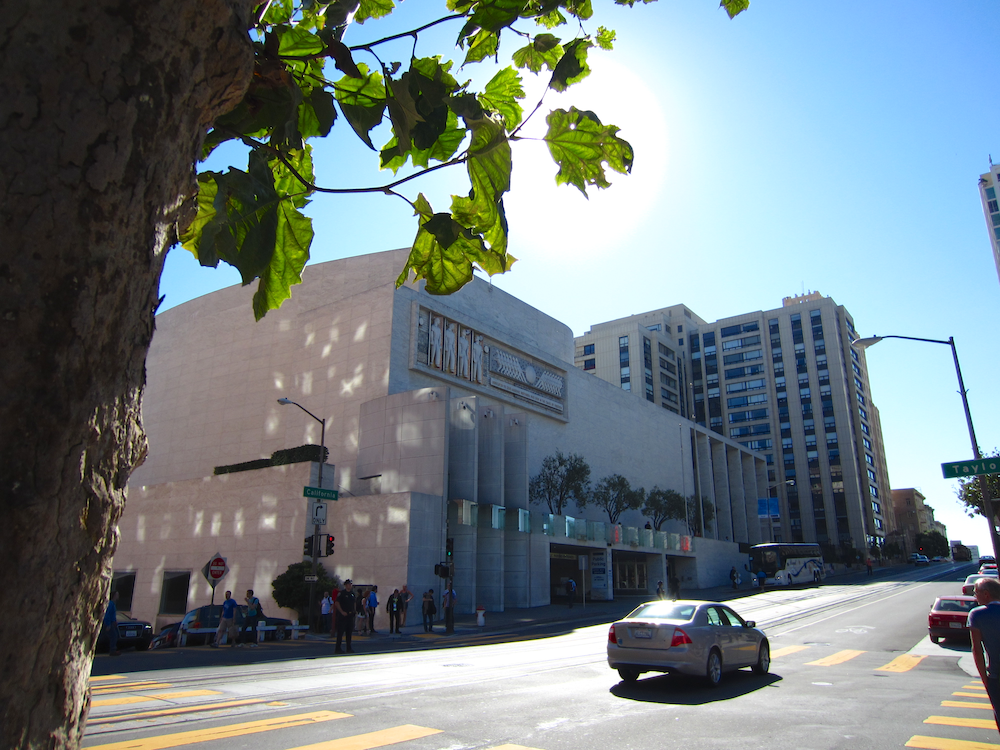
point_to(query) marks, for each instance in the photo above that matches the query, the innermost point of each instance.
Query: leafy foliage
(562, 478)
(932, 544)
(615, 495)
(253, 219)
(664, 505)
(292, 591)
(698, 509)
(970, 489)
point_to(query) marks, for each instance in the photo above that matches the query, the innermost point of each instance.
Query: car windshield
(954, 605)
(665, 611)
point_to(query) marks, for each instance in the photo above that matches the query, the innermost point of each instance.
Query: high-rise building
(988, 186)
(783, 382)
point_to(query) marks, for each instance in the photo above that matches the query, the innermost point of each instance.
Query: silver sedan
(686, 637)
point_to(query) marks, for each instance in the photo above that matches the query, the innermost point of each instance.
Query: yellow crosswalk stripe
(371, 740)
(787, 650)
(126, 700)
(838, 658)
(214, 734)
(955, 721)
(940, 743)
(902, 663)
(97, 720)
(969, 695)
(965, 704)
(106, 677)
(974, 687)
(122, 686)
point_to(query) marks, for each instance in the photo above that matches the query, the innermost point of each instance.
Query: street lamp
(862, 344)
(315, 544)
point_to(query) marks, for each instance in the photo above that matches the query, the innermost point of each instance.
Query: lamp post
(984, 491)
(315, 538)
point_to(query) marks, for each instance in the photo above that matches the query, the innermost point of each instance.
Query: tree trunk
(103, 106)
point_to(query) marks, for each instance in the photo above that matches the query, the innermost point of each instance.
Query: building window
(588, 349)
(589, 364)
(124, 584)
(174, 592)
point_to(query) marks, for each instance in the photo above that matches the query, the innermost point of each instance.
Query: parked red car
(949, 617)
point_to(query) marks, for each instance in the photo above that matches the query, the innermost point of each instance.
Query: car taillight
(611, 636)
(680, 638)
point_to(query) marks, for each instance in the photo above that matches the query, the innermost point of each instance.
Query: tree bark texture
(103, 107)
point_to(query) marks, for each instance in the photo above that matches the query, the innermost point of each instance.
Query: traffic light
(442, 570)
(329, 544)
(307, 547)
(449, 548)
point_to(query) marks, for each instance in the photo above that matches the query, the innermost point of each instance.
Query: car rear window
(665, 611)
(954, 605)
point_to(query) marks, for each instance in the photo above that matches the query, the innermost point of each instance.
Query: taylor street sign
(957, 469)
(319, 493)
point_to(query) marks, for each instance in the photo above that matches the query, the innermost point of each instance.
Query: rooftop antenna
(991, 161)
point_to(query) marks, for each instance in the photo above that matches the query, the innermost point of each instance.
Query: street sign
(215, 569)
(319, 493)
(955, 469)
(318, 512)
(312, 579)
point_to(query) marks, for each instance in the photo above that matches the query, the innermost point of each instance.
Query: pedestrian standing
(345, 610)
(325, 608)
(334, 593)
(111, 623)
(871, 564)
(428, 608)
(362, 610)
(675, 586)
(372, 609)
(660, 593)
(406, 596)
(394, 606)
(734, 577)
(570, 592)
(448, 600)
(252, 618)
(984, 627)
(227, 622)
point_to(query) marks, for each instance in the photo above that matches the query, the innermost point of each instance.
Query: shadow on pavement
(682, 690)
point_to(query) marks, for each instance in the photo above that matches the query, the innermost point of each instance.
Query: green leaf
(484, 44)
(582, 146)
(543, 51)
(572, 67)
(298, 42)
(605, 38)
(278, 12)
(734, 7)
(441, 150)
(363, 101)
(191, 238)
(373, 9)
(502, 94)
(316, 114)
(582, 9)
(551, 20)
(287, 184)
(293, 238)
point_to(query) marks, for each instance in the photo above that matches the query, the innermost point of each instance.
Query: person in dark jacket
(346, 607)
(394, 606)
(429, 609)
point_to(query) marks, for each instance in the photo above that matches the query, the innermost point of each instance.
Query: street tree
(107, 108)
(614, 495)
(292, 591)
(562, 479)
(932, 544)
(664, 505)
(969, 490)
(699, 510)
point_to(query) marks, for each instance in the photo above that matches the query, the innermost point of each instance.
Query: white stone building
(438, 411)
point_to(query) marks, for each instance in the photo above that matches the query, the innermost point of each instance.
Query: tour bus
(786, 564)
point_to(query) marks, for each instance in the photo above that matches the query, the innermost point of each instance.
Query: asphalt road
(853, 668)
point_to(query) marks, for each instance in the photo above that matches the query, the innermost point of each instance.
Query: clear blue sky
(833, 147)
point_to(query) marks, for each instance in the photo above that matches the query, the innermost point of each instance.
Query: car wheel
(713, 670)
(628, 675)
(935, 639)
(142, 645)
(763, 659)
